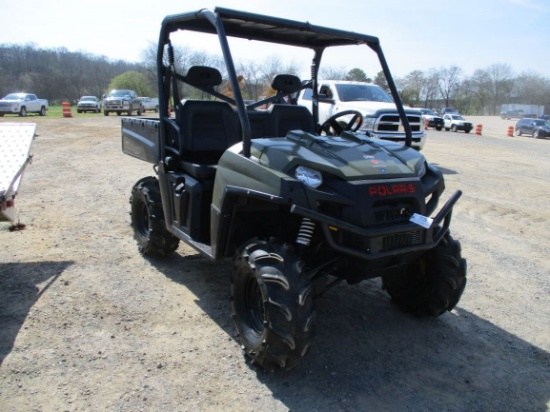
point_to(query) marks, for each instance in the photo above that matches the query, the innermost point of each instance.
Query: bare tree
(449, 79)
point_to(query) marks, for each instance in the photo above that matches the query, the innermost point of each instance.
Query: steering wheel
(337, 127)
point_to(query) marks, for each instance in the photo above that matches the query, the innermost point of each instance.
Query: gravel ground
(87, 324)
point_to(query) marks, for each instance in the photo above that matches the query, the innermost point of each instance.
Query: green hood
(349, 157)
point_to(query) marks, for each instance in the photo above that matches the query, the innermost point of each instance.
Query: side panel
(140, 138)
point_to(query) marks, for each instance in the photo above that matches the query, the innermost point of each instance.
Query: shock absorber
(306, 232)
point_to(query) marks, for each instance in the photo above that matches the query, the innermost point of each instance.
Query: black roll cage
(225, 22)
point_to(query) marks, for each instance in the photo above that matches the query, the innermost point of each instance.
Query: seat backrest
(207, 129)
(286, 117)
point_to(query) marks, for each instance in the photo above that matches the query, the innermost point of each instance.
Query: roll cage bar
(225, 22)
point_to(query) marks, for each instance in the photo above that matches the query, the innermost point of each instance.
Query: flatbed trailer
(15, 155)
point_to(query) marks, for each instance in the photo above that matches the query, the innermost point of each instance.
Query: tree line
(59, 74)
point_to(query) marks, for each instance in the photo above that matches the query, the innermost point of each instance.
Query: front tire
(272, 304)
(23, 112)
(148, 219)
(518, 132)
(433, 284)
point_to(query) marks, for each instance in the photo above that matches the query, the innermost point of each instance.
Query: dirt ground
(87, 324)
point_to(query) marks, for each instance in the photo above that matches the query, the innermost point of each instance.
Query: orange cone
(511, 131)
(478, 129)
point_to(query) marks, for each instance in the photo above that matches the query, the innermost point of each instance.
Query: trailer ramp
(15, 154)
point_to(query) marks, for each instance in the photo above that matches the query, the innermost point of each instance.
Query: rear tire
(42, 111)
(23, 112)
(453, 128)
(433, 284)
(150, 231)
(272, 304)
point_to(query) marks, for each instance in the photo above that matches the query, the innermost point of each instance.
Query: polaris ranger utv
(298, 205)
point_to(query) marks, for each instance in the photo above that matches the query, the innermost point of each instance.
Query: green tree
(132, 80)
(380, 80)
(358, 75)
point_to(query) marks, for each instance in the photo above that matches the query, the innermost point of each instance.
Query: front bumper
(383, 241)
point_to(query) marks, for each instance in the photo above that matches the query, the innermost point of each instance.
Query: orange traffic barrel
(67, 109)
(478, 129)
(511, 131)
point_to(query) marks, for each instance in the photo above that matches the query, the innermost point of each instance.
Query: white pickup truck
(380, 117)
(23, 103)
(150, 103)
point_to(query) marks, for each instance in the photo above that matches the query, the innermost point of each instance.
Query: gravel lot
(87, 324)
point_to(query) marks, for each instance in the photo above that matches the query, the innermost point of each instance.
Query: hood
(350, 157)
(373, 107)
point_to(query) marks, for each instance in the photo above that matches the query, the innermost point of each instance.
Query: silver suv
(122, 100)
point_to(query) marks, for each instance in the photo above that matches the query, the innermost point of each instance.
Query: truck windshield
(362, 92)
(14, 96)
(119, 93)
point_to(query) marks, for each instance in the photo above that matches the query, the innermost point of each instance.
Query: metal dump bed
(15, 147)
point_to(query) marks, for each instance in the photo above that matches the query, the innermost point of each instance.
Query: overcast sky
(415, 35)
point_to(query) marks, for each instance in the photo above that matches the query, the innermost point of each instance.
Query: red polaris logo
(390, 190)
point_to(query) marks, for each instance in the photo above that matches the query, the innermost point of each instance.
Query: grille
(392, 123)
(402, 239)
(396, 214)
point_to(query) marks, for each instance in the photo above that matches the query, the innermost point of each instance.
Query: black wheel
(447, 129)
(23, 112)
(156, 109)
(536, 134)
(105, 113)
(139, 111)
(467, 130)
(272, 304)
(334, 127)
(518, 132)
(118, 113)
(433, 284)
(438, 128)
(42, 111)
(453, 128)
(148, 219)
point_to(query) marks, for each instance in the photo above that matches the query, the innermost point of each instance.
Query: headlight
(422, 170)
(368, 123)
(311, 178)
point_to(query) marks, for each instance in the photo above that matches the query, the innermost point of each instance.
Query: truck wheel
(272, 304)
(148, 219)
(139, 112)
(105, 113)
(42, 111)
(118, 113)
(23, 112)
(453, 128)
(518, 132)
(447, 129)
(438, 128)
(431, 285)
